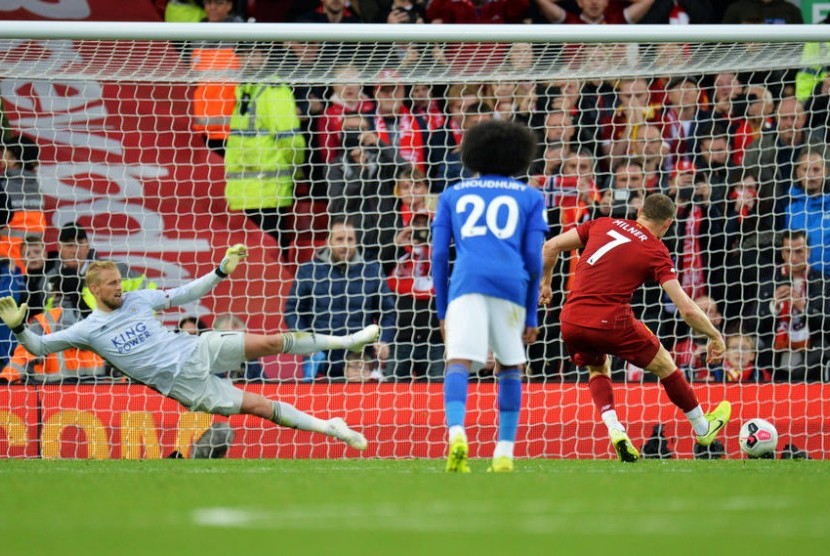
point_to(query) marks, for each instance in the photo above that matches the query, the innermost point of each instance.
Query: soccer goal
(324, 147)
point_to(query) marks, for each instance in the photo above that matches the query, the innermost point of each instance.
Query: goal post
(166, 143)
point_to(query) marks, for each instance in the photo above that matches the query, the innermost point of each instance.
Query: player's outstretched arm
(567, 241)
(13, 316)
(195, 289)
(233, 256)
(697, 319)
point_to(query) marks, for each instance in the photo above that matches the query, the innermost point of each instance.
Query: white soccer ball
(758, 437)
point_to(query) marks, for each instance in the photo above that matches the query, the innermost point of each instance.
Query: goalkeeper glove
(11, 314)
(232, 257)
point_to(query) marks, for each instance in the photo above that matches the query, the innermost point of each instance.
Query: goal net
(326, 158)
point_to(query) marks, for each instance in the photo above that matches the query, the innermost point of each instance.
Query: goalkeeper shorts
(198, 388)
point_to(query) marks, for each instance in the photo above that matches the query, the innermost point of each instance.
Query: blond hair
(94, 270)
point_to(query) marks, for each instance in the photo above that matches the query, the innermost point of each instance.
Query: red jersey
(618, 257)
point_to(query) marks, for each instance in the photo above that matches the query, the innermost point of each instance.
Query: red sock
(602, 392)
(680, 391)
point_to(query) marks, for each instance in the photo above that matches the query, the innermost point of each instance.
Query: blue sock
(455, 394)
(510, 403)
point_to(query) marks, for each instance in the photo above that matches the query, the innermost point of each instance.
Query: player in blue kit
(123, 330)
(498, 226)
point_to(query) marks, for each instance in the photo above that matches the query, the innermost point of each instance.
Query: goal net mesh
(160, 154)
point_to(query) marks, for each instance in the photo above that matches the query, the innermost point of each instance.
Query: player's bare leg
(680, 392)
(304, 343)
(287, 415)
(455, 405)
(602, 392)
(510, 404)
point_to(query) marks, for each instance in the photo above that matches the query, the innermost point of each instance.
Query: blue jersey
(498, 225)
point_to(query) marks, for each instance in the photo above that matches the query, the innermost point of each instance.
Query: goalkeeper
(123, 330)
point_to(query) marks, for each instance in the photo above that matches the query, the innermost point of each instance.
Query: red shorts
(633, 342)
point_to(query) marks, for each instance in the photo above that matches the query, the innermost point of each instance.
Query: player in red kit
(618, 256)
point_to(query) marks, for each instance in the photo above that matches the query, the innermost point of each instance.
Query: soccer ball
(758, 438)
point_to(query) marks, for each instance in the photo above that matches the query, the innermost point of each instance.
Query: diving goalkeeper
(123, 330)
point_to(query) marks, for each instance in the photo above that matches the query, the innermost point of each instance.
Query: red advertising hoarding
(400, 420)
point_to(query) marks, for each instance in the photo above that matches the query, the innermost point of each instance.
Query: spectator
(739, 363)
(741, 219)
(250, 370)
(450, 169)
(818, 108)
(690, 351)
(347, 98)
(627, 190)
(330, 11)
(682, 118)
(419, 352)
(18, 179)
(265, 149)
(596, 11)
(360, 367)
(632, 112)
(72, 364)
(725, 93)
(713, 161)
(791, 312)
(361, 185)
(752, 117)
(184, 11)
(762, 11)
(696, 239)
(403, 11)
(213, 101)
(394, 123)
(191, 325)
(426, 110)
(35, 267)
(771, 157)
(339, 292)
(11, 284)
(809, 208)
(412, 189)
(651, 151)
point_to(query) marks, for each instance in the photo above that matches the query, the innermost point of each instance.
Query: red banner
(400, 420)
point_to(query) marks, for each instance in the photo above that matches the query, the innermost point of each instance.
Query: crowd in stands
(743, 156)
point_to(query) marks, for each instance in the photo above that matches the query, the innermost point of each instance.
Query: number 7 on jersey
(618, 240)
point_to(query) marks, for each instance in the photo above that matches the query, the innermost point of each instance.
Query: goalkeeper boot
(717, 418)
(457, 457)
(357, 341)
(501, 464)
(339, 429)
(626, 452)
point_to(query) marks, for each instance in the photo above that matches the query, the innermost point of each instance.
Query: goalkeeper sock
(287, 415)
(455, 396)
(510, 404)
(305, 343)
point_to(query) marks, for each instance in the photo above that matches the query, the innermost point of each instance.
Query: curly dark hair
(498, 147)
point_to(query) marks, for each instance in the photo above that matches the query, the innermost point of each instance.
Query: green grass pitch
(362, 507)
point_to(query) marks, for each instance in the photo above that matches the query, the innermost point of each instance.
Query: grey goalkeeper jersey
(131, 338)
